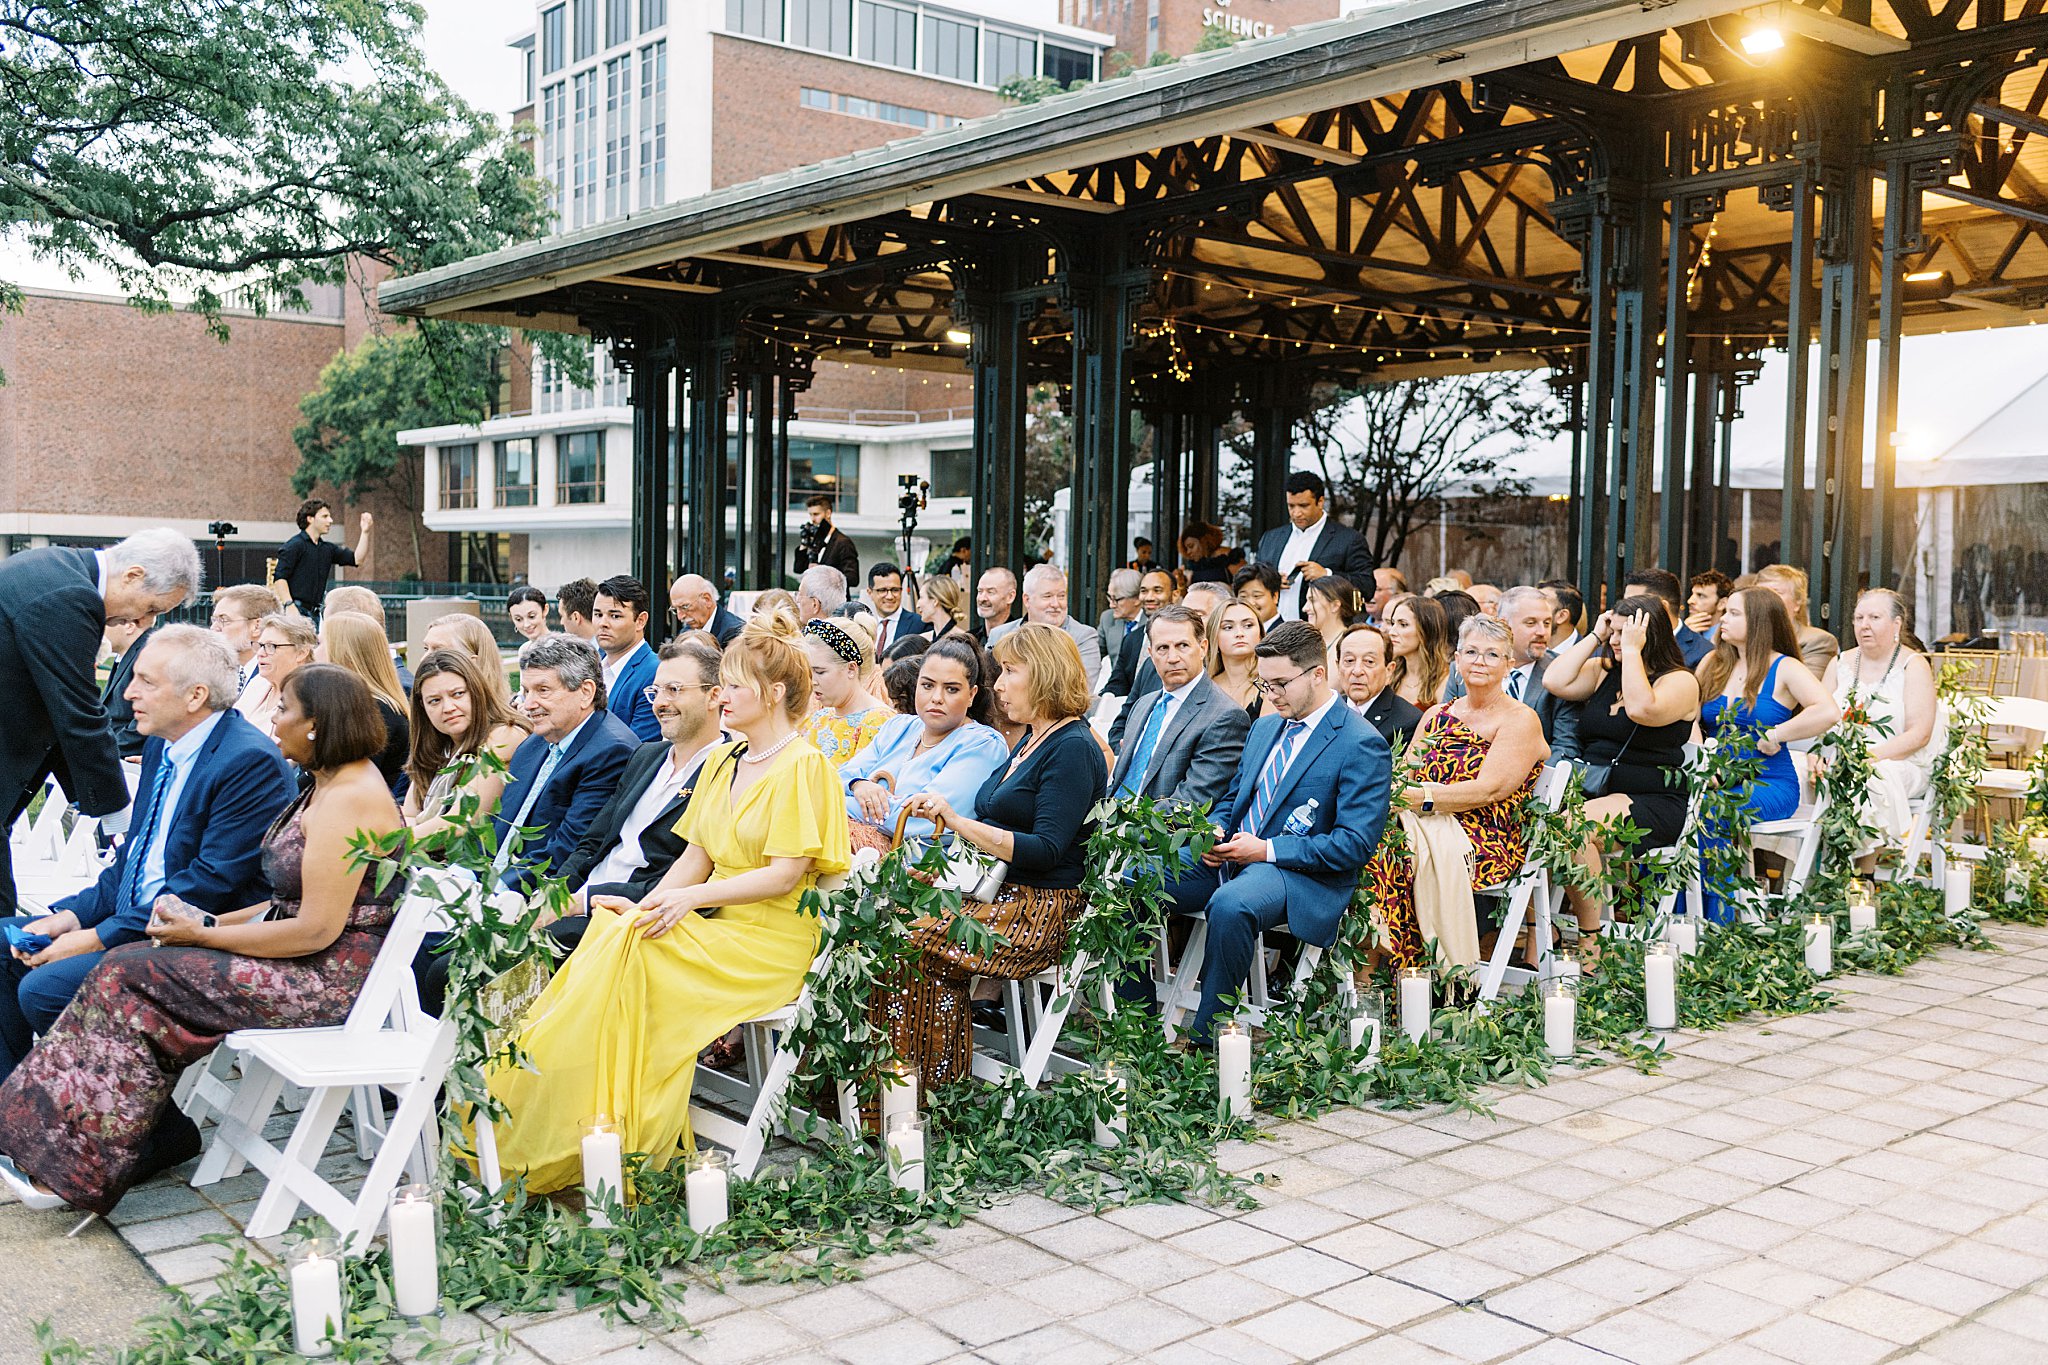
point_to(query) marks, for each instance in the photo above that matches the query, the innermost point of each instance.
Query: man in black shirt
(308, 559)
(824, 543)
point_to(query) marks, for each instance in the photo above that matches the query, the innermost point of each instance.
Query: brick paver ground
(1865, 1185)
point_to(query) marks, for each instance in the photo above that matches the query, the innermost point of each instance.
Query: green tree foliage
(239, 149)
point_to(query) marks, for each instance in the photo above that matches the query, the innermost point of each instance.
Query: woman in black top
(1638, 702)
(1032, 813)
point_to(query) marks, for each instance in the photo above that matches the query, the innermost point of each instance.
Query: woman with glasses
(1234, 635)
(455, 713)
(284, 645)
(1475, 758)
(848, 715)
(1637, 702)
(944, 746)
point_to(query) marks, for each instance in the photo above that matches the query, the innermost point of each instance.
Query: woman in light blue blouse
(945, 747)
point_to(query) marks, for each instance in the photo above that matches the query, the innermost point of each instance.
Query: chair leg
(1186, 985)
(255, 1100)
(1504, 946)
(297, 1165)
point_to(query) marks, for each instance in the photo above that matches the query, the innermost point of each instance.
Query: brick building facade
(1144, 28)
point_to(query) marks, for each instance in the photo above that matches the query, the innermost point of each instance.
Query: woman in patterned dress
(849, 716)
(1476, 758)
(87, 1115)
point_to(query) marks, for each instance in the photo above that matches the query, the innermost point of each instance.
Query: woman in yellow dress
(721, 940)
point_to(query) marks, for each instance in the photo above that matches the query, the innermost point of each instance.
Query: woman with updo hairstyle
(1894, 685)
(460, 630)
(1031, 812)
(455, 713)
(841, 651)
(722, 939)
(945, 745)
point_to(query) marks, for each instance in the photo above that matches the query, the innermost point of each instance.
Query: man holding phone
(1312, 544)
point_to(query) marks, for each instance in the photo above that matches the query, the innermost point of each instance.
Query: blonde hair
(765, 653)
(1793, 578)
(1052, 661)
(297, 631)
(358, 643)
(478, 642)
(350, 597)
(947, 594)
(780, 599)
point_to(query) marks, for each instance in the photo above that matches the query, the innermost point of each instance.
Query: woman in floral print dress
(88, 1114)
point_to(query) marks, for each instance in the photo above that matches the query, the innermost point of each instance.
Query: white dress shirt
(183, 755)
(1301, 543)
(627, 857)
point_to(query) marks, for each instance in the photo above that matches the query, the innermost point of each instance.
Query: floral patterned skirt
(77, 1113)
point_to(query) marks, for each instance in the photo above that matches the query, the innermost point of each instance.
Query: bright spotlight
(1762, 41)
(959, 336)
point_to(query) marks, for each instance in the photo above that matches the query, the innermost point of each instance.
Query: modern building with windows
(636, 103)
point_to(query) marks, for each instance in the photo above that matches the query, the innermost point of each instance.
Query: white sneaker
(30, 1194)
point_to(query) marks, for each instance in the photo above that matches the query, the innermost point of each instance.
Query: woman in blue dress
(945, 747)
(1759, 693)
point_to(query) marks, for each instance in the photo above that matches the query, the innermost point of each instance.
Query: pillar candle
(1955, 889)
(2015, 883)
(706, 1194)
(1660, 986)
(1365, 1033)
(1683, 934)
(316, 1301)
(1820, 944)
(1862, 909)
(905, 1148)
(899, 1094)
(1560, 1022)
(603, 1169)
(1234, 1070)
(1109, 1132)
(415, 1253)
(1415, 1003)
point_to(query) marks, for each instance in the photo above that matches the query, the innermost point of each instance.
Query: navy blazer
(213, 855)
(1346, 769)
(627, 698)
(1338, 548)
(724, 626)
(582, 782)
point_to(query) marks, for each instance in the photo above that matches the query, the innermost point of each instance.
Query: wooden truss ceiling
(1414, 231)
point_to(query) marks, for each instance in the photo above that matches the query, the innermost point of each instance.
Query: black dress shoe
(990, 1014)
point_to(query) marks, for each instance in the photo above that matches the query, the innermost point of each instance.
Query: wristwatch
(1428, 801)
(207, 920)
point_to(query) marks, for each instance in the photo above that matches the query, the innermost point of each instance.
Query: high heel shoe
(31, 1195)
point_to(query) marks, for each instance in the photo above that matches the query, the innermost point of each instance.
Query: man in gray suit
(1529, 614)
(1184, 739)
(1045, 601)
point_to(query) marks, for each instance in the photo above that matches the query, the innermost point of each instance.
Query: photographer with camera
(308, 559)
(823, 543)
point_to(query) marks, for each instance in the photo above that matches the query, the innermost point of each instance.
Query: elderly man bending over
(211, 786)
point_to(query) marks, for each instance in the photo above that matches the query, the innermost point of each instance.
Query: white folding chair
(60, 861)
(1182, 993)
(1797, 839)
(387, 1043)
(1530, 898)
(1035, 1010)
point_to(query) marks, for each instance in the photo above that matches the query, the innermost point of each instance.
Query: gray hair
(1042, 576)
(1216, 593)
(196, 657)
(826, 585)
(573, 661)
(999, 574)
(1125, 583)
(1490, 626)
(1510, 599)
(168, 559)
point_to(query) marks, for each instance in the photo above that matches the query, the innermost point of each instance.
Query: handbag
(1595, 777)
(968, 870)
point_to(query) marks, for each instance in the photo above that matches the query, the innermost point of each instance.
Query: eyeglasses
(1267, 689)
(271, 646)
(1473, 656)
(221, 619)
(673, 691)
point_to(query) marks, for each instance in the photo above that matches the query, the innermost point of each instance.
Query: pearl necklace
(771, 750)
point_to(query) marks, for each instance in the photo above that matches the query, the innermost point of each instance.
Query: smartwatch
(1428, 801)
(208, 920)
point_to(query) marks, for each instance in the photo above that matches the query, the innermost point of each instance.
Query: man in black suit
(1155, 590)
(896, 620)
(55, 605)
(833, 546)
(1312, 544)
(694, 602)
(1363, 656)
(126, 638)
(631, 843)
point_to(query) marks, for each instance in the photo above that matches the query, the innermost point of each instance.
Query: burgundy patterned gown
(77, 1114)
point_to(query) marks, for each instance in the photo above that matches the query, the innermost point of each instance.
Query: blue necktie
(540, 782)
(1269, 781)
(138, 845)
(1141, 761)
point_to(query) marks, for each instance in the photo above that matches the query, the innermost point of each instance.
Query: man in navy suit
(694, 601)
(563, 773)
(620, 615)
(1312, 544)
(211, 785)
(1305, 811)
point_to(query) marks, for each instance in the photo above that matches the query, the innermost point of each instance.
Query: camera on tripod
(912, 500)
(221, 530)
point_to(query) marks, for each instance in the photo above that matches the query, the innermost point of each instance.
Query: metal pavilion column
(1836, 524)
(992, 301)
(1679, 359)
(652, 360)
(1103, 303)
(706, 353)
(1794, 506)
(766, 512)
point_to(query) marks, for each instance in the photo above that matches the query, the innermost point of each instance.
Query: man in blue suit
(568, 768)
(211, 785)
(620, 615)
(1304, 813)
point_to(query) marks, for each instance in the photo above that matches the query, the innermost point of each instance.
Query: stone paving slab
(1861, 1186)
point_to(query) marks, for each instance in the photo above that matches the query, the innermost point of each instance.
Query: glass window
(653, 14)
(583, 166)
(528, 62)
(486, 557)
(953, 473)
(579, 476)
(828, 467)
(554, 144)
(1067, 65)
(551, 25)
(585, 24)
(517, 473)
(951, 49)
(826, 25)
(1010, 55)
(761, 18)
(458, 475)
(618, 137)
(618, 22)
(815, 99)
(653, 124)
(888, 35)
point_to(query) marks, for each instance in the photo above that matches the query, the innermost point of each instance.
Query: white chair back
(2019, 713)
(383, 998)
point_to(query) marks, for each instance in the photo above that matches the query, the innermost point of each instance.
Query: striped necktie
(1276, 771)
(138, 846)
